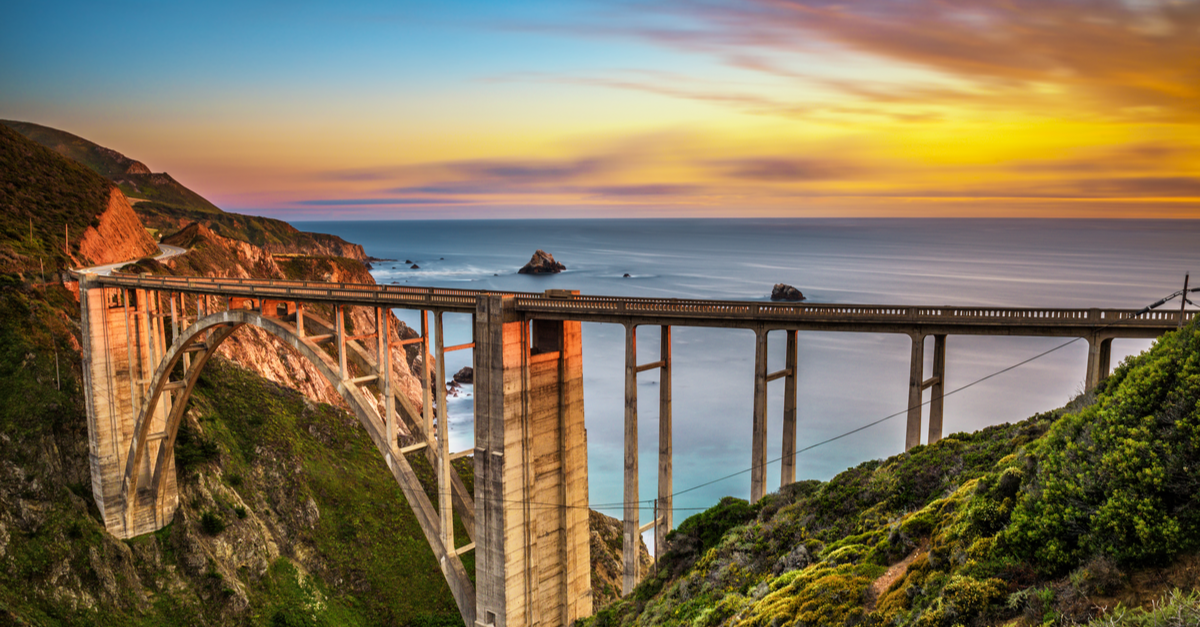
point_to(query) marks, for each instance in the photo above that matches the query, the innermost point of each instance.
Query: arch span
(167, 400)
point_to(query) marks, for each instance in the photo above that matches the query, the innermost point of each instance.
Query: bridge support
(758, 455)
(122, 334)
(662, 520)
(917, 384)
(532, 563)
(787, 472)
(1098, 363)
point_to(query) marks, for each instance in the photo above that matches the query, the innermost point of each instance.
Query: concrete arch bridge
(146, 340)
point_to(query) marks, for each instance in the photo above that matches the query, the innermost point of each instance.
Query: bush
(1117, 478)
(211, 523)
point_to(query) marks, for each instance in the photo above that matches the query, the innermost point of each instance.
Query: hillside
(288, 515)
(165, 205)
(1053, 520)
(56, 214)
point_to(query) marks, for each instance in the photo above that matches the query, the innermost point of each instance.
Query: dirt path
(897, 570)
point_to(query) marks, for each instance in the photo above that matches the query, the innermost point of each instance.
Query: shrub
(211, 523)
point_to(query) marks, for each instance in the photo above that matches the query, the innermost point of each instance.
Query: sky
(573, 108)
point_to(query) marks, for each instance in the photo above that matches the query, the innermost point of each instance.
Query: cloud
(356, 202)
(780, 170)
(1124, 159)
(660, 189)
(1137, 60)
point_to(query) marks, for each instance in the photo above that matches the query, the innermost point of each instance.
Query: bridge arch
(200, 341)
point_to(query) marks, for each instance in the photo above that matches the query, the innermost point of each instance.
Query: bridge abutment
(531, 495)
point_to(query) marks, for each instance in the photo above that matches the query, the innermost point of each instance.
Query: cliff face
(607, 553)
(213, 255)
(119, 236)
(320, 244)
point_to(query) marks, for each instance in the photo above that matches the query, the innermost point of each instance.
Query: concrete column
(758, 445)
(1104, 361)
(665, 444)
(938, 393)
(632, 522)
(427, 397)
(532, 561)
(383, 331)
(916, 381)
(1092, 376)
(300, 319)
(339, 314)
(787, 471)
(174, 319)
(445, 506)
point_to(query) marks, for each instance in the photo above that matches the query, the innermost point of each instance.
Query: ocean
(845, 379)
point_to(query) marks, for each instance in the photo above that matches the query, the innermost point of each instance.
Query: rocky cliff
(118, 235)
(210, 254)
(607, 552)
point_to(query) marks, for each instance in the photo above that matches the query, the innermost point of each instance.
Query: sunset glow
(1048, 108)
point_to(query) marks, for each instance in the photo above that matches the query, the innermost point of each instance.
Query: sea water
(845, 379)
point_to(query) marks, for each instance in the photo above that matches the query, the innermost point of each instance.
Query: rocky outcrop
(117, 235)
(466, 376)
(606, 548)
(783, 291)
(320, 244)
(542, 262)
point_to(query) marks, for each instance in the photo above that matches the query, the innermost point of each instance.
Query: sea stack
(542, 262)
(783, 291)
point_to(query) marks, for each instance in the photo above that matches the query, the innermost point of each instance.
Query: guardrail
(563, 304)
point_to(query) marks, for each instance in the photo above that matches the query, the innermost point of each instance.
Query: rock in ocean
(542, 262)
(783, 291)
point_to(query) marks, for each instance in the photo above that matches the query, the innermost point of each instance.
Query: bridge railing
(563, 304)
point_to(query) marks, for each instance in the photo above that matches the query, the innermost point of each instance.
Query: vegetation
(40, 194)
(259, 466)
(164, 204)
(1046, 521)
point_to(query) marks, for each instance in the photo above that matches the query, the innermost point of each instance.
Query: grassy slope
(250, 444)
(1045, 520)
(41, 188)
(166, 204)
(108, 163)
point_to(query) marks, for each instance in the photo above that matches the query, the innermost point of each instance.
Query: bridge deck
(691, 312)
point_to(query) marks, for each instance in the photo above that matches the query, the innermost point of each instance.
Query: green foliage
(41, 193)
(1119, 478)
(211, 523)
(708, 526)
(193, 450)
(1176, 609)
(989, 522)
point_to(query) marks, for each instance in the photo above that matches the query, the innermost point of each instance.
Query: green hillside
(288, 514)
(40, 194)
(1042, 522)
(108, 163)
(165, 205)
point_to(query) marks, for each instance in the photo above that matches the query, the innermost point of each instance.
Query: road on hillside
(165, 251)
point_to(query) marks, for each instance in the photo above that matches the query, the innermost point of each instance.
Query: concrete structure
(146, 340)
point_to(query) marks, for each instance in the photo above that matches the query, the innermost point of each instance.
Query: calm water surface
(846, 379)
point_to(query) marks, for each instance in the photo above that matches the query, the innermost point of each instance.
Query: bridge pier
(917, 384)
(532, 563)
(120, 339)
(1098, 363)
(787, 471)
(758, 444)
(662, 518)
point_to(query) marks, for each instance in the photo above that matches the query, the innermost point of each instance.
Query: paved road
(166, 251)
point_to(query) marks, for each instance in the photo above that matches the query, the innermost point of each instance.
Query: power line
(647, 503)
(1154, 305)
